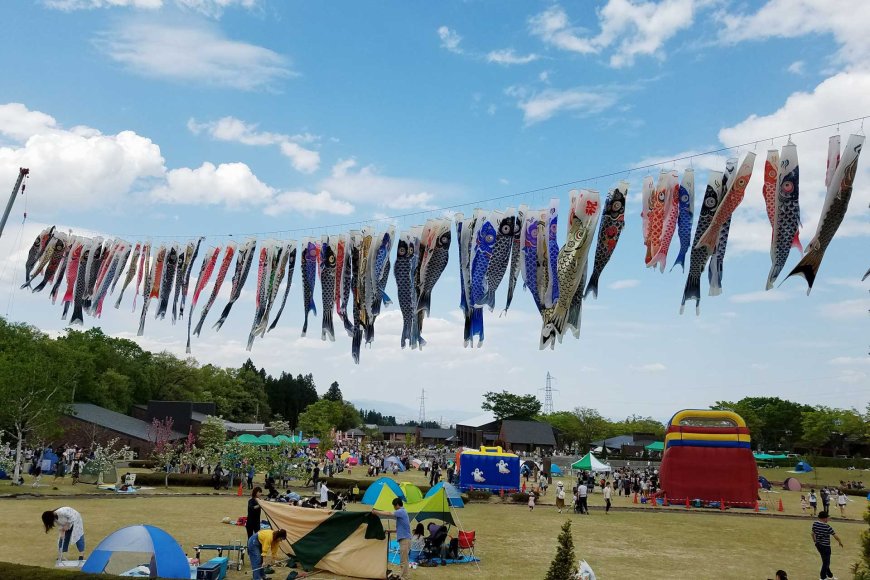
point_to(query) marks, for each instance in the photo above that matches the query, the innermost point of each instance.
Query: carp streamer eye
(684, 198)
(490, 238)
(402, 251)
(506, 229)
(617, 205)
(444, 239)
(332, 259)
(709, 202)
(661, 196)
(787, 187)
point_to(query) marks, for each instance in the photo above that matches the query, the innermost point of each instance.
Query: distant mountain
(404, 413)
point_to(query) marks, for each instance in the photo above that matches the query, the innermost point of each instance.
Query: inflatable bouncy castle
(708, 457)
(490, 468)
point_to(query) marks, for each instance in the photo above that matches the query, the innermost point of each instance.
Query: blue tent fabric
(555, 469)
(393, 460)
(803, 467)
(763, 483)
(374, 490)
(169, 558)
(454, 498)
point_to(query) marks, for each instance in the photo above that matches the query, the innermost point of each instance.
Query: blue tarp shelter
(763, 483)
(555, 469)
(803, 467)
(392, 460)
(454, 498)
(168, 558)
(374, 491)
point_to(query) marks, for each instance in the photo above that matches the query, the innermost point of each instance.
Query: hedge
(158, 478)
(142, 464)
(10, 571)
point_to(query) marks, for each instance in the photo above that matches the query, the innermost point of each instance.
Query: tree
(861, 568)
(36, 381)
(749, 415)
(566, 424)
(105, 457)
(591, 426)
(334, 393)
(505, 405)
(164, 453)
(212, 437)
(563, 566)
(637, 424)
(319, 418)
(278, 426)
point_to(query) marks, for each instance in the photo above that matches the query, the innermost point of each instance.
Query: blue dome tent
(803, 467)
(392, 460)
(555, 469)
(454, 498)
(168, 559)
(374, 491)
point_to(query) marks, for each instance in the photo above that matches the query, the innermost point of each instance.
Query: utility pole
(22, 173)
(422, 418)
(548, 394)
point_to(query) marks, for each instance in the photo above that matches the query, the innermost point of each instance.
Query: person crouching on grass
(263, 549)
(72, 529)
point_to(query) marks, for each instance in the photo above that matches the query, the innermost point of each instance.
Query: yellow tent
(411, 491)
(434, 507)
(384, 502)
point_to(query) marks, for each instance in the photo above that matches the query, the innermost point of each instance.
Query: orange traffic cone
(635, 497)
(756, 506)
(722, 505)
(665, 500)
(780, 506)
(687, 503)
(239, 492)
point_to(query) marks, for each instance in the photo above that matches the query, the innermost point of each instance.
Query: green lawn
(513, 543)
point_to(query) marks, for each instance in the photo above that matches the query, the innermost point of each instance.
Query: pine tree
(564, 566)
(861, 568)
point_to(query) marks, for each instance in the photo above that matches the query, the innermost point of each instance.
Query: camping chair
(466, 543)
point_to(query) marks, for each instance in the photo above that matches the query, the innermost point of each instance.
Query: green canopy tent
(266, 439)
(590, 463)
(284, 439)
(248, 439)
(656, 446)
(768, 456)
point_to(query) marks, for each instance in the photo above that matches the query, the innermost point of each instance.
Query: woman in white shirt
(608, 495)
(841, 502)
(71, 528)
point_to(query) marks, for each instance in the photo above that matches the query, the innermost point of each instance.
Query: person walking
(71, 528)
(263, 549)
(608, 495)
(324, 494)
(403, 535)
(814, 502)
(841, 502)
(826, 499)
(582, 497)
(252, 524)
(821, 533)
(560, 496)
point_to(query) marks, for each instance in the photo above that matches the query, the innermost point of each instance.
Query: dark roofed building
(397, 433)
(527, 436)
(89, 424)
(478, 431)
(432, 436)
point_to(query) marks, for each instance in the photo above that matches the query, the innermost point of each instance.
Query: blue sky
(179, 117)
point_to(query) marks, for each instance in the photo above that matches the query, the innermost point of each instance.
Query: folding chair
(466, 543)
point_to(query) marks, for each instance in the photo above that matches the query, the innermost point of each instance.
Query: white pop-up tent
(590, 463)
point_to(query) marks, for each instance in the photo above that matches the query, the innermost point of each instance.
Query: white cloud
(850, 360)
(450, 40)
(583, 102)
(308, 203)
(508, 56)
(846, 22)
(623, 284)
(760, 296)
(629, 27)
(232, 184)
(208, 7)
(656, 367)
(237, 131)
(78, 168)
(797, 67)
(368, 185)
(193, 54)
(846, 309)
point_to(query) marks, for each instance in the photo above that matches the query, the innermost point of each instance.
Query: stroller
(434, 545)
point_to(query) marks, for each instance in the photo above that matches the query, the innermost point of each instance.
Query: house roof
(355, 432)
(115, 421)
(197, 416)
(248, 427)
(401, 429)
(437, 433)
(615, 442)
(478, 421)
(527, 432)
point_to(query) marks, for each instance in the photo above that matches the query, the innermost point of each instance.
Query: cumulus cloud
(237, 131)
(367, 184)
(656, 367)
(797, 67)
(580, 101)
(193, 54)
(508, 56)
(846, 309)
(623, 284)
(630, 28)
(308, 203)
(232, 184)
(450, 40)
(759, 296)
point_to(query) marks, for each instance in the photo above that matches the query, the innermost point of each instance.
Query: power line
(442, 209)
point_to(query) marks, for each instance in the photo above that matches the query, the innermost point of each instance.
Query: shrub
(563, 566)
(520, 497)
(861, 568)
(156, 479)
(479, 495)
(142, 464)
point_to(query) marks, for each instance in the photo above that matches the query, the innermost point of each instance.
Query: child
(813, 501)
(804, 504)
(841, 502)
(354, 493)
(531, 501)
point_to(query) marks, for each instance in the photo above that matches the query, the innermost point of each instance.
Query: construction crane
(19, 185)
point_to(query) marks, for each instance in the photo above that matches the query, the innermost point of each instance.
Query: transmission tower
(422, 406)
(548, 394)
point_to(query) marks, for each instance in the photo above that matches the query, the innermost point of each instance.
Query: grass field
(513, 543)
